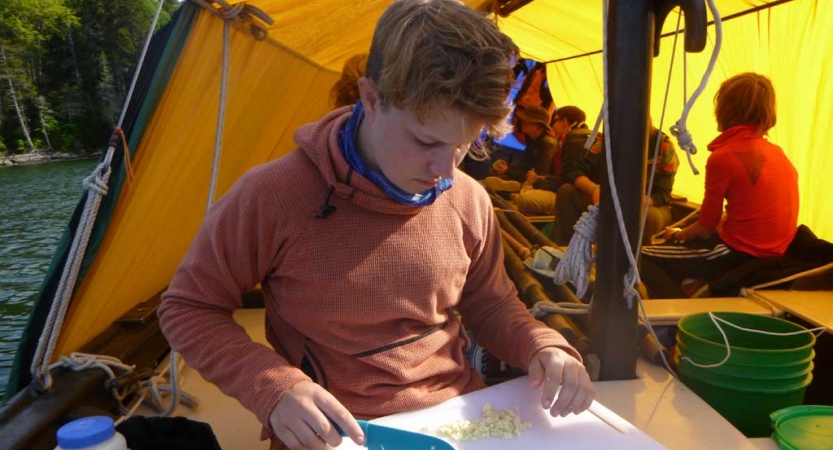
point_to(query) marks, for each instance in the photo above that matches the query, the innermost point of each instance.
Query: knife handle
(362, 423)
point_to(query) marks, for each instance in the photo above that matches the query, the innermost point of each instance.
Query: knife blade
(380, 437)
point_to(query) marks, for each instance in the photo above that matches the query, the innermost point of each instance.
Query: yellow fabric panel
(548, 30)
(271, 92)
(788, 43)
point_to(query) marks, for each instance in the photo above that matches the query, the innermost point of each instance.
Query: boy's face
(413, 155)
(560, 127)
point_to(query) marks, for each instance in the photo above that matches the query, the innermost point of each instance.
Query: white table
(669, 312)
(665, 409)
(815, 307)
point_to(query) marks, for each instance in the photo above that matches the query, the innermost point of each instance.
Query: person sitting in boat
(758, 183)
(569, 128)
(345, 91)
(367, 242)
(537, 195)
(540, 149)
(581, 189)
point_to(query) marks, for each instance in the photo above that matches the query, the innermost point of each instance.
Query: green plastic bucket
(700, 336)
(747, 410)
(749, 371)
(739, 381)
(763, 373)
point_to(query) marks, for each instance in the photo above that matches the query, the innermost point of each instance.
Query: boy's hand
(552, 368)
(302, 419)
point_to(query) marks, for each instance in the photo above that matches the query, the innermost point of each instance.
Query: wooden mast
(632, 27)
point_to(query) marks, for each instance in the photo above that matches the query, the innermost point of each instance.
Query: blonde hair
(345, 91)
(745, 99)
(429, 54)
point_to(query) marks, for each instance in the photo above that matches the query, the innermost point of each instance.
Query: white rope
(806, 273)
(96, 186)
(221, 113)
(717, 320)
(77, 361)
(546, 308)
(138, 70)
(577, 262)
(632, 276)
(592, 137)
(679, 130)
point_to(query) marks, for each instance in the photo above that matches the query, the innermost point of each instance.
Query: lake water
(37, 202)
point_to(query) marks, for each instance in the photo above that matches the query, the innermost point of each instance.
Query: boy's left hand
(552, 368)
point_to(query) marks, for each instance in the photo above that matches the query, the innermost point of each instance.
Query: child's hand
(553, 369)
(301, 419)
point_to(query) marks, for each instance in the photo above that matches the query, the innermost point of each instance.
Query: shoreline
(39, 157)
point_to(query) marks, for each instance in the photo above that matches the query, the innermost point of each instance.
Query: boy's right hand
(301, 419)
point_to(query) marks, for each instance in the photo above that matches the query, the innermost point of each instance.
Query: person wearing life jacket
(756, 180)
(372, 249)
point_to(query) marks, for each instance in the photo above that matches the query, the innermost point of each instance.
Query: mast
(632, 28)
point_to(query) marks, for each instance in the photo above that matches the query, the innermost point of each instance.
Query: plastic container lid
(807, 427)
(86, 432)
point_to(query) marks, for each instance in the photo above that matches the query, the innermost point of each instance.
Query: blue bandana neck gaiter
(347, 142)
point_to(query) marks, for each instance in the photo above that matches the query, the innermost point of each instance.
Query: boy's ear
(369, 93)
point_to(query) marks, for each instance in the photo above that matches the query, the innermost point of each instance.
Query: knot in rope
(686, 142)
(77, 361)
(95, 182)
(630, 292)
(241, 11)
(578, 260)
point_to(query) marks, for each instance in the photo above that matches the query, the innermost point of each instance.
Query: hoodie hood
(319, 142)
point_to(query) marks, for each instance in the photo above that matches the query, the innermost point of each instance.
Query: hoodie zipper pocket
(402, 342)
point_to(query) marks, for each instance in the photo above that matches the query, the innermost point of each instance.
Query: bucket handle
(716, 319)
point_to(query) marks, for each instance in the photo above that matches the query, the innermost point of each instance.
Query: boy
(366, 253)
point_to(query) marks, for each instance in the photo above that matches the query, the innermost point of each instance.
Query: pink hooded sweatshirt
(364, 301)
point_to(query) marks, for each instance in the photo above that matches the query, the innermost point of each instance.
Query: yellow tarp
(281, 83)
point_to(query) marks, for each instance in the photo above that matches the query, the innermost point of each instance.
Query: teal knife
(380, 437)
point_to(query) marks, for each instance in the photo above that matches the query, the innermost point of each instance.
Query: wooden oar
(519, 248)
(507, 226)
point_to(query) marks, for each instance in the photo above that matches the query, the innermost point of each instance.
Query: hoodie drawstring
(326, 209)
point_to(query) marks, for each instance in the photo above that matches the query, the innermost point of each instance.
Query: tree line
(65, 68)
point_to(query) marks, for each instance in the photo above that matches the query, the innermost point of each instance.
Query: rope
(221, 114)
(592, 137)
(128, 167)
(96, 185)
(679, 130)
(717, 320)
(806, 273)
(632, 276)
(658, 142)
(138, 70)
(545, 308)
(77, 361)
(241, 13)
(578, 260)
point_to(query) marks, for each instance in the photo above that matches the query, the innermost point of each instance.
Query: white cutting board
(584, 431)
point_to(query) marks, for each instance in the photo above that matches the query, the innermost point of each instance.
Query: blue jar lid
(86, 432)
